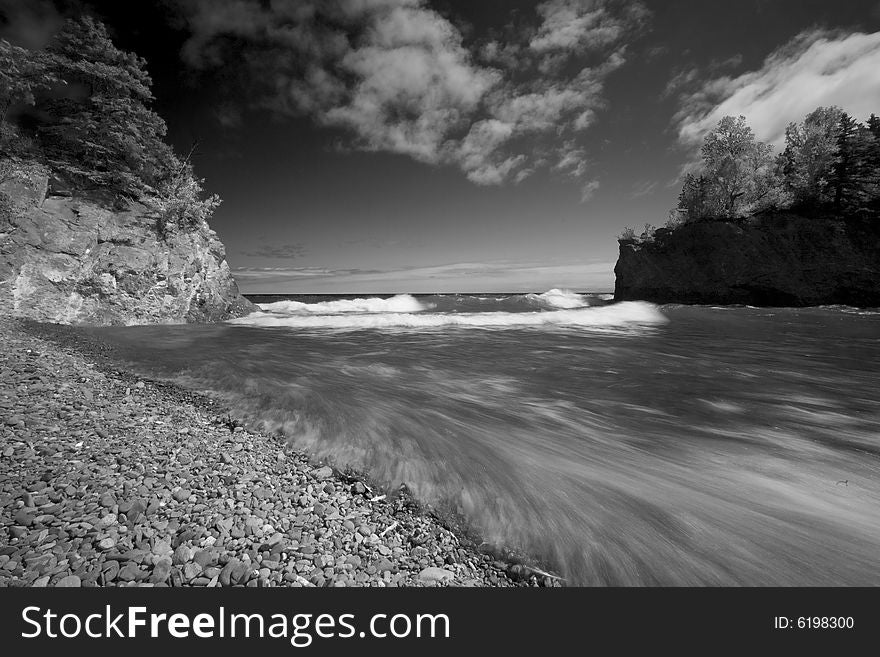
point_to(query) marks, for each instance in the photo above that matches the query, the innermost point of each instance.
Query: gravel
(108, 480)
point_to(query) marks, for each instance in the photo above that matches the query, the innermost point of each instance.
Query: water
(623, 444)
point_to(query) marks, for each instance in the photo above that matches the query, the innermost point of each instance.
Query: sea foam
(557, 298)
(401, 303)
(616, 315)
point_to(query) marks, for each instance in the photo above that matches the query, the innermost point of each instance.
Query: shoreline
(110, 479)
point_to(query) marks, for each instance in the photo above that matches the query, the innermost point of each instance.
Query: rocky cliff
(773, 259)
(71, 260)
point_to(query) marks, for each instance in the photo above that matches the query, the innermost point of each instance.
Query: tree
(874, 125)
(94, 125)
(739, 168)
(177, 196)
(23, 74)
(695, 201)
(100, 129)
(810, 155)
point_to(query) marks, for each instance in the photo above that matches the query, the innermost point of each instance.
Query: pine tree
(101, 130)
(845, 170)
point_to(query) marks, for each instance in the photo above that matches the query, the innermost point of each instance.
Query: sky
(420, 146)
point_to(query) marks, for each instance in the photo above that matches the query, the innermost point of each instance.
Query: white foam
(402, 303)
(615, 315)
(557, 298)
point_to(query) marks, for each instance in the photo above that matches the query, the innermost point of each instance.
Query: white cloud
(588, 190)
(576, 26)
(398, 76)
(815, 69)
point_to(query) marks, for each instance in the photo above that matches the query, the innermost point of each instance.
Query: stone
(181, 555)
(161, 571)
(191, 570)
(71, 581)
(24, 518)
(107, 543)
(324, 472)
(204, 557)
(225, 577)
(107, 500)
(162, 548)
(129, 572)
(433, 574)
(181, 495)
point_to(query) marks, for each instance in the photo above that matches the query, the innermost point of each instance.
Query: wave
(401, 303)
(615, 315)
(557, 298)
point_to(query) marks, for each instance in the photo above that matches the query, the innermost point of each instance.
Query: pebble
(152, 489)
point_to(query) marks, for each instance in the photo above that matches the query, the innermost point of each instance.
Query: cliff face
(72, 261)
(780, 259)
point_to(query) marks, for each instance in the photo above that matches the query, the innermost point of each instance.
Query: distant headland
(798, 229)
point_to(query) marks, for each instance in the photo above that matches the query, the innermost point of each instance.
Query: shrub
(627, 235)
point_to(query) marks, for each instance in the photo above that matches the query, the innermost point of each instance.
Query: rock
(18, 532)
(24, 518)
(181, 495)
(107, 543)
(777, 258)
(111, 570)
(241, 574)
(129, 572)
(137, 509)
(161, 571)
(181, 555)
(107, 500)
(225, 577)
(191, 571)
(324, 472)
(71, 581)
(204, 557)
(432, 574)
(162, 548)
(76, 261)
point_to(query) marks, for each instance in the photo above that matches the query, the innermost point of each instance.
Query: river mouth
(722, 446)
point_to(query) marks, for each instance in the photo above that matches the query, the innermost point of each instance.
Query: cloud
(278, 251)
(817, 68)
(399, 77)
(571, 27)
(644, 188)
(589, 189)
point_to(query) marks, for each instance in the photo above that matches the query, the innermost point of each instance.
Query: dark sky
(407, 145)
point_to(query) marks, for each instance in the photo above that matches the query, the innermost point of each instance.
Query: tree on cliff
(811, 149)
(737, 174)
(99, 126)
(93, 124)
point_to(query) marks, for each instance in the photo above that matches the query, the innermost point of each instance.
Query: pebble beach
(110, 480)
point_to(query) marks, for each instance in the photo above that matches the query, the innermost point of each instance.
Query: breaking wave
(557, 298)
(610, 316)
(402, 303)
